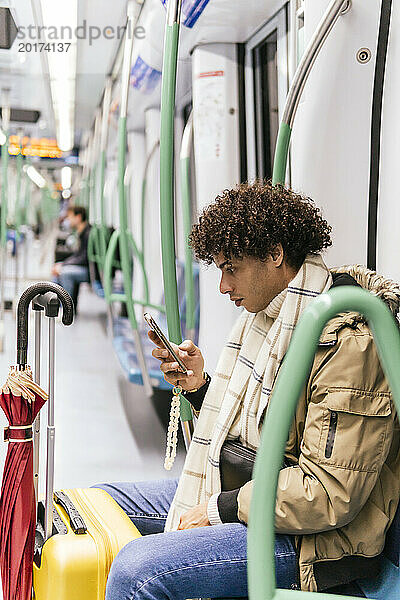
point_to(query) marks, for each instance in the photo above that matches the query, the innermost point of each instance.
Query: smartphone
(153, 325)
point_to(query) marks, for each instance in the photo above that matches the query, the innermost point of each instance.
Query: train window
(266, 84)
(266, 103)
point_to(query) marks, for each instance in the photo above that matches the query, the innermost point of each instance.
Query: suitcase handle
(49, 302)
(22, 313)
(76, 521)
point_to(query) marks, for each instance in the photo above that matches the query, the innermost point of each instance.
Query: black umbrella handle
(29, 294)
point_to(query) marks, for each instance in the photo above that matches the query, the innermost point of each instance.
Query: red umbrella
(21, 399)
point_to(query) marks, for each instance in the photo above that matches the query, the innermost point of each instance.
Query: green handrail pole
(288, 387)
(186, 148)
(126, 263)
(19, 164)
(122, 142)
(27, 199)
(167, 168)
(17, 213)
(168, 84)
(96, 155)
(4, 160)
(4, 191)
(103, 150)
(333, 12)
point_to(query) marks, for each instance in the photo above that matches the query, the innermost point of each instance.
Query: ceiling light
(35, 176)
(62, 16)
(66, 177)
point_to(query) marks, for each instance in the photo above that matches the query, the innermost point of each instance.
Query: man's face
(73, 219)
(250, 282)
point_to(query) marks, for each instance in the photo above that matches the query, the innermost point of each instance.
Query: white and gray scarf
(242, 384)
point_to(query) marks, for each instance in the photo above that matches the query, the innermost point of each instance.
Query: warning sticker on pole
(209, 116)
(143, 77)
(190, 11)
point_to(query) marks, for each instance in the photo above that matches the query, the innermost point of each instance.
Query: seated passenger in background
(339, 486)
(75, 269)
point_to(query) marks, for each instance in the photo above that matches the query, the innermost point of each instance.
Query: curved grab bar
(288, 387)
(26, 298)
(325, 26)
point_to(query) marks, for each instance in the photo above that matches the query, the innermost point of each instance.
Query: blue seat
(126, 352)
(98, 288)
(123, 340)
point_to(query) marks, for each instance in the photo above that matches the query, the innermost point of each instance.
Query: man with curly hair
(338, 487)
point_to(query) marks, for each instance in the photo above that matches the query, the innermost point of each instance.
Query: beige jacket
(342, 491)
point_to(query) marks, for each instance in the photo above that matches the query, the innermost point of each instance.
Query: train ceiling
(22, 71)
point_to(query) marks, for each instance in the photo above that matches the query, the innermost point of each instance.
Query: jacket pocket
(354, 429)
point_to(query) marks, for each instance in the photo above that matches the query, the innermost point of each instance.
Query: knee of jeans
(106, 487)
(132, 565)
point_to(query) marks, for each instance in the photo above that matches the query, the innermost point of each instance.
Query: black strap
(376, 122)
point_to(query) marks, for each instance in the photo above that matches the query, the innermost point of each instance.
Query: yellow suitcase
(89, 529)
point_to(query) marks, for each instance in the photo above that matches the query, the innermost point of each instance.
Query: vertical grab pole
(4, 201)
(333, 12)
(186, 148)
(123, 212)
(168, 84)
(50, 434)
(36, 426)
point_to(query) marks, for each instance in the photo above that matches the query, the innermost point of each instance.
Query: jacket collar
(357, 275)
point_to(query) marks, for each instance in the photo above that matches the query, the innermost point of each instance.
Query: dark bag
(236, 465)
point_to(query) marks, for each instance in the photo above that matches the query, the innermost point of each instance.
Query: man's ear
(277, 255)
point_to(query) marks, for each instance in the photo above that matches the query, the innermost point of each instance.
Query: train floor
(106, 428)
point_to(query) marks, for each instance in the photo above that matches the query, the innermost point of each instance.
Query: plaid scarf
(241, 387)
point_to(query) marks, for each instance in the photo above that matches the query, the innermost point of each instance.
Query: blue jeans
(70, 275)
(206, 562)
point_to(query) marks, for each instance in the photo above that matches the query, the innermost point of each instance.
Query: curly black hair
(253, 218)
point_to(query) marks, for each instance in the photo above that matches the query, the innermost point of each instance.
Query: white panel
(216, 139)
(179, 237)
(389, 206)
(152, 251)
(331, 134)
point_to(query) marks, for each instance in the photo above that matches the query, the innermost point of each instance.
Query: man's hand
(56, 270)
(192, 358)
(195, 517)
